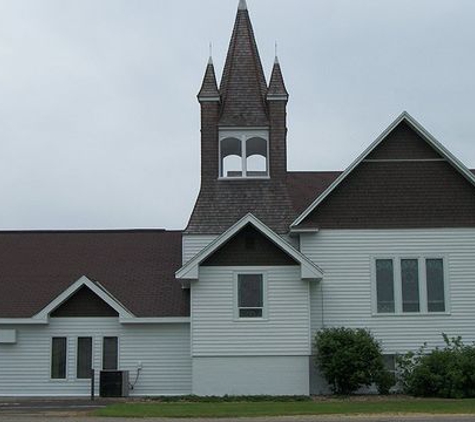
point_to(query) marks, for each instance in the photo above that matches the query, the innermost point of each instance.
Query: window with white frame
(244, 154)
(250, 289)
(410, 285)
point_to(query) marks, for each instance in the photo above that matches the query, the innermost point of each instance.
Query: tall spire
(243, 85)
(277, 89)
(242, 5)
(209, 88)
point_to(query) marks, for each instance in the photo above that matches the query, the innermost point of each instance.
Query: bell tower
(243, 134)
(244, 121)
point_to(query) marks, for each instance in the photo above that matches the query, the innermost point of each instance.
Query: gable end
(249, 247)
(84, 303)
(405, 179)
(403, 143)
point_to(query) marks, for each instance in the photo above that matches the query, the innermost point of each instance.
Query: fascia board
(22, 321)
(155, 320)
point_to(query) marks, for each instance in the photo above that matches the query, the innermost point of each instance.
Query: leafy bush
(447, 372)
(350, 359)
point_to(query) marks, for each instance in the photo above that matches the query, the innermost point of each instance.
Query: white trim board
(404, 116)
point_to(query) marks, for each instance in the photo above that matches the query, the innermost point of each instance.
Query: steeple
(277, 90)
(209, 88)
(243, 85)
(243, 140)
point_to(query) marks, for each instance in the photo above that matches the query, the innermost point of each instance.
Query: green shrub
(350, 359)
(447, 373)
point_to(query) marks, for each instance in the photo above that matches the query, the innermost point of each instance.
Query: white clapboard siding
(345, 257)
(163, 350)
(217, 332)
(193, 244)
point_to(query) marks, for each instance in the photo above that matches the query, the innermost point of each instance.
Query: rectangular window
(385, 285)
(110, 353)
(410, 285)
(84, 357)
(58, 358)
(435, 285)
(250, 295)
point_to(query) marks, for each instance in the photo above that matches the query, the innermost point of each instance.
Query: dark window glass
(84, 361)
(58, 358)
(410, 285)
(385, 285)
(250, 295)
(435, 285)
(110, 353)
(389, 362)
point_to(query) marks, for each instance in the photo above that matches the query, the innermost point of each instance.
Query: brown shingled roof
(273, 202)
(243, 85)
(276, 85)
(209, 87)
(136, 267)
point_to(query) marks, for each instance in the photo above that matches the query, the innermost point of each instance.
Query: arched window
(256, 157)
(231, 157)
(243, 155)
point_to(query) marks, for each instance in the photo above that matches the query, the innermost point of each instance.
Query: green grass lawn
(327, 407)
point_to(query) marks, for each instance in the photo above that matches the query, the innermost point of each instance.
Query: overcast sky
(99, 123)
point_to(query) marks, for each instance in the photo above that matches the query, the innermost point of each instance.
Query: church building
(231, 304)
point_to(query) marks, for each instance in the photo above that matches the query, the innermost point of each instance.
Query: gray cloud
(99, 125)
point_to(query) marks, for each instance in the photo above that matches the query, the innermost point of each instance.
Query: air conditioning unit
(114, 384)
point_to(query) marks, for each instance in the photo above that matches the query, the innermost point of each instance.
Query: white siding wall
(163, 350)
(217, 332)
(250, 375)
(345, 256)
(192, 244)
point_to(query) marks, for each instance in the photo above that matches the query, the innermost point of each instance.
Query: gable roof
(136, 268)
(408, 119)
(190, 270)
(95, 287)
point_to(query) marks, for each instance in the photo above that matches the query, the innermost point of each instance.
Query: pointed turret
(209, 88)
(243, 85)
(277, 90)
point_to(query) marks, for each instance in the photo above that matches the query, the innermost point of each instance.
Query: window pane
(385, 285)
(410, 285)
(389, 362)
(435, 285)
(58, 358)
(250, 291)
(231, 158)
(256, 157)
(84, 362)
(110, 353)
